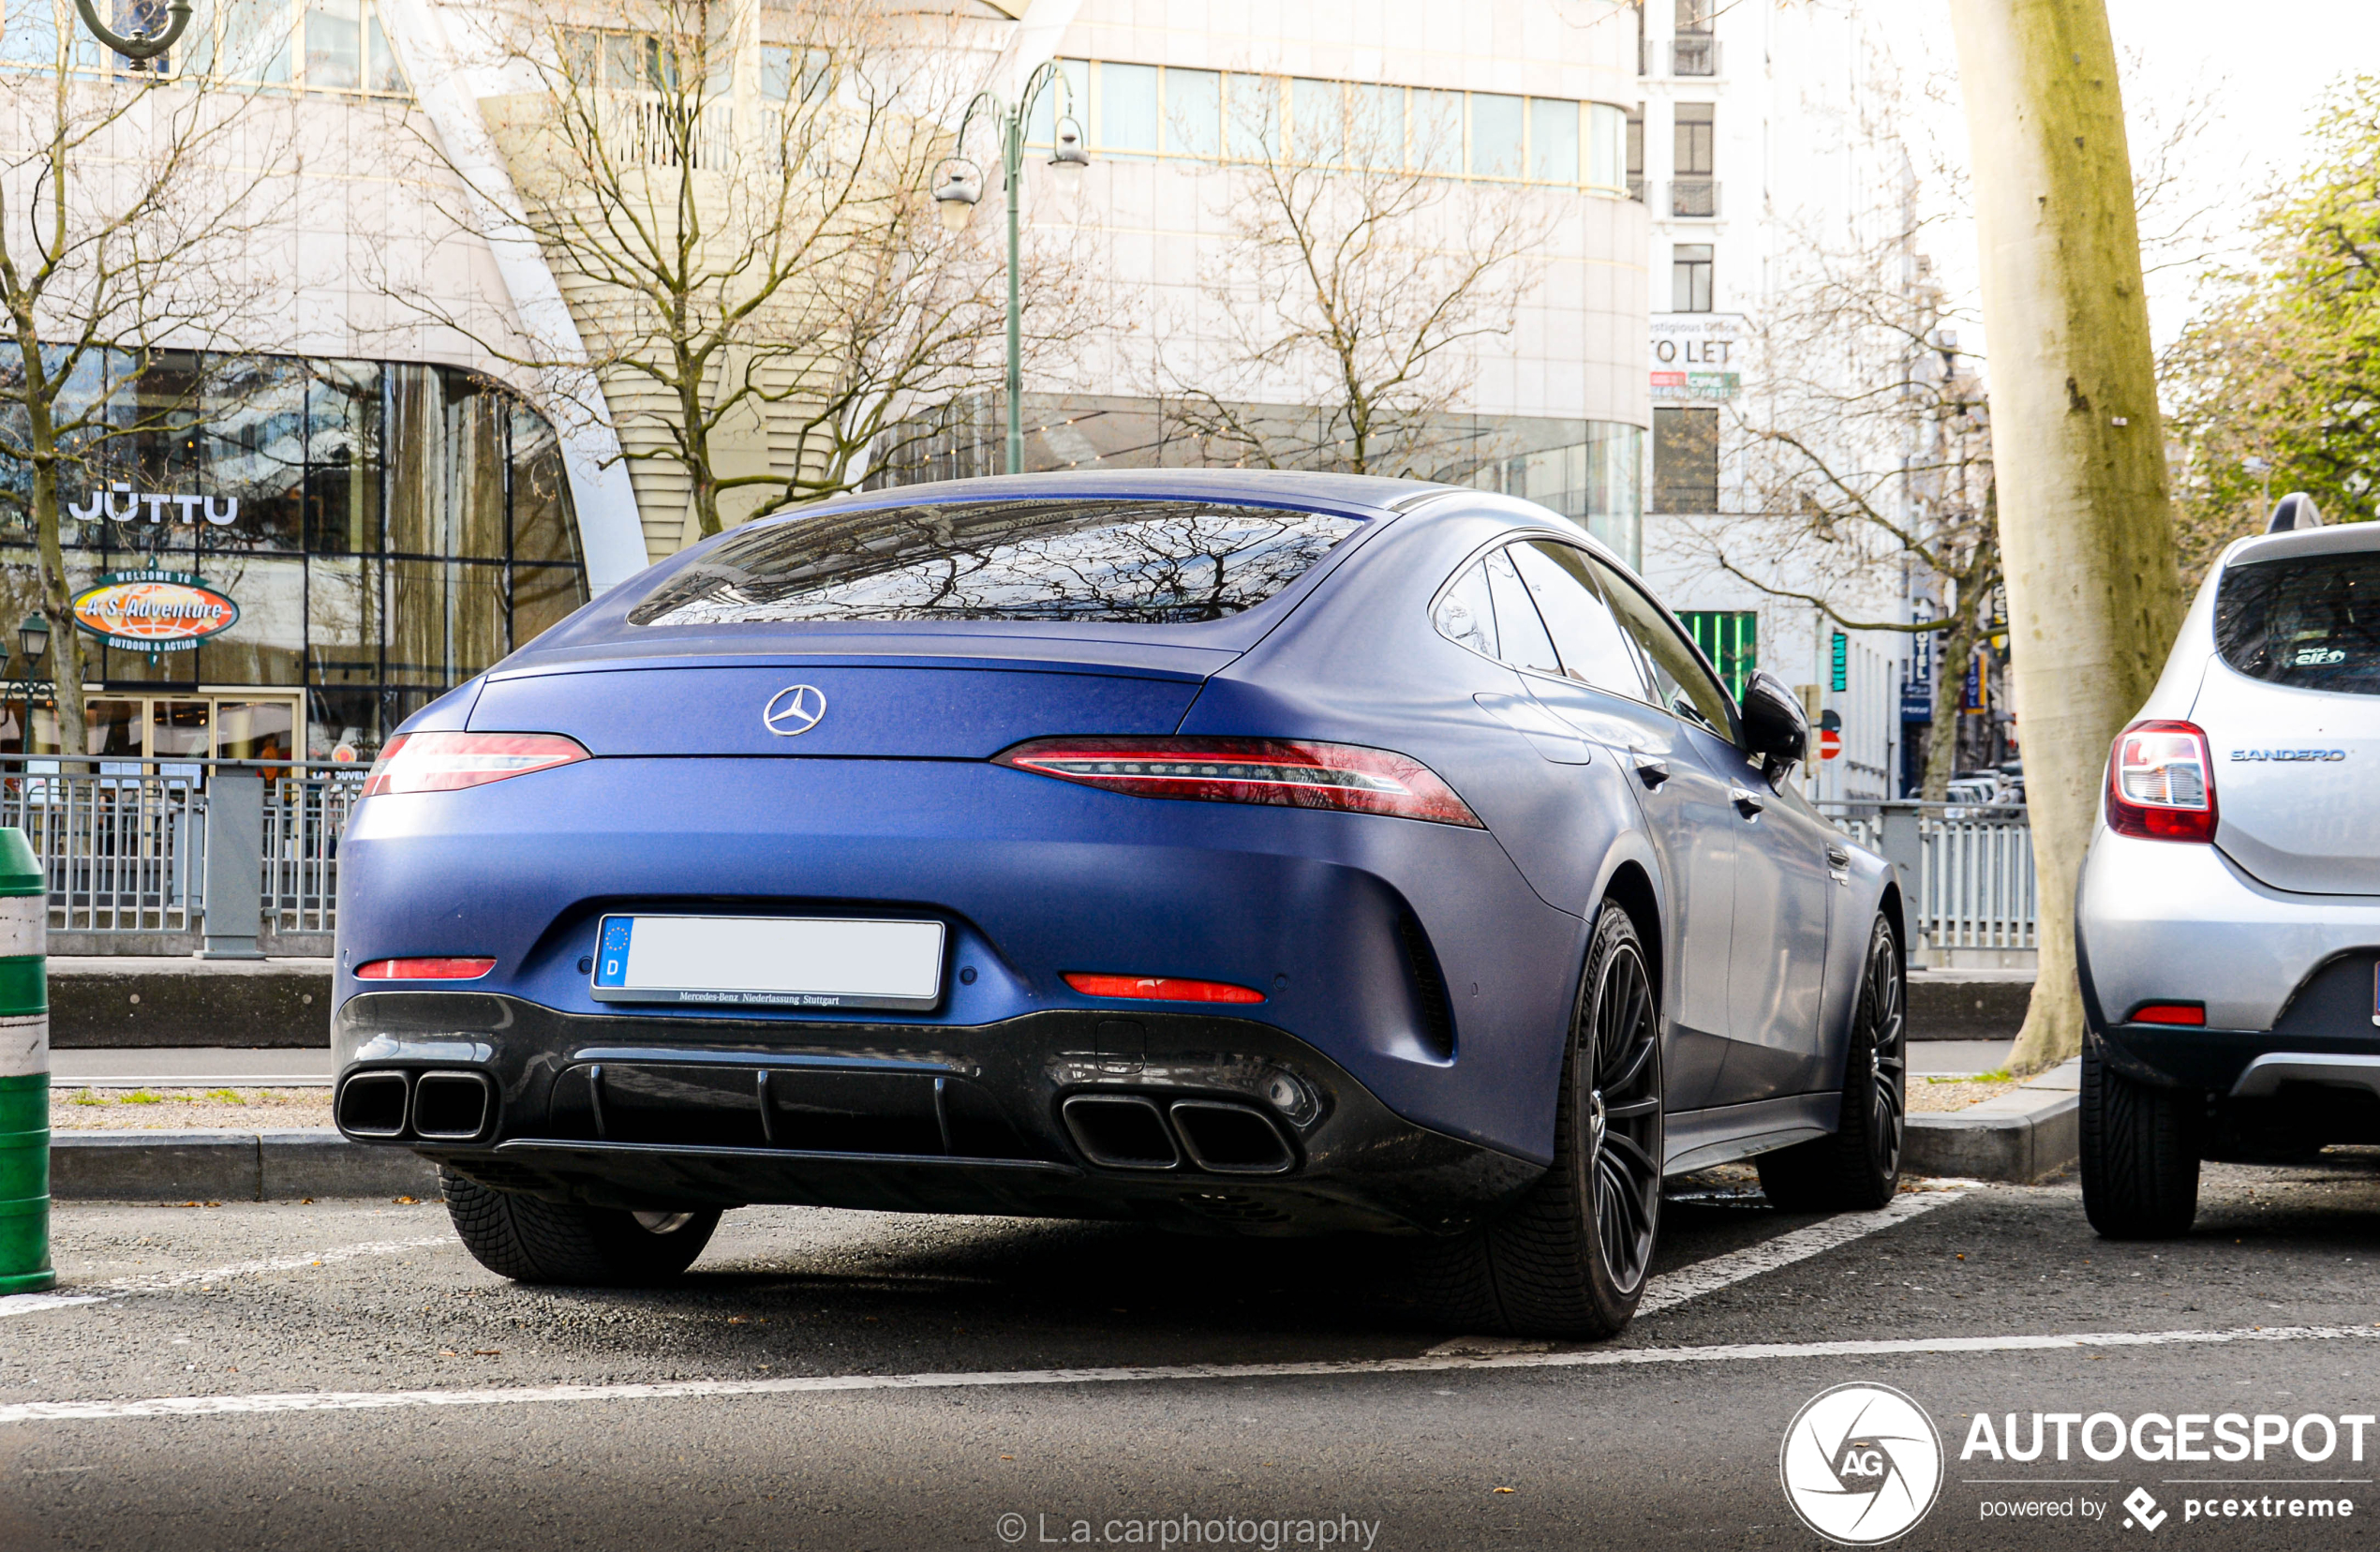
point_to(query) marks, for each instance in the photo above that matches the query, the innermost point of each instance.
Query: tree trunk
(57, 597)
(2086, 529)
(1950, 695)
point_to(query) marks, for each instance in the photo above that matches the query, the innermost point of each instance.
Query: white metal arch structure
(449, 92)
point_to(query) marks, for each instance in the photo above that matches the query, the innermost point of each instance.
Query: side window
(1517, 625)
(1465, 617)
(1593, 649)
(1680, 682)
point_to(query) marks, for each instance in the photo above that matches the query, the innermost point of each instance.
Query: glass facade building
(387, 530)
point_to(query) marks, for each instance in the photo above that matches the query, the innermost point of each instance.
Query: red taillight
(2169, 1014)
(1290, 773)
(442, 762)
(2161, 783)
(424, 969)
(1160, 988)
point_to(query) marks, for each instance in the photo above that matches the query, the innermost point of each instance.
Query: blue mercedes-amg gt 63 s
(1253, 853)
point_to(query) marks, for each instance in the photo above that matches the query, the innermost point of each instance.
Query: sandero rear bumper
(1190, 1118)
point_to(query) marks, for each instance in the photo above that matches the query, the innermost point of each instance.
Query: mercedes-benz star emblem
(794, 710)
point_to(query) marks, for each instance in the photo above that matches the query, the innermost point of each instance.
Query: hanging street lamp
(150, 41)
(962, 186)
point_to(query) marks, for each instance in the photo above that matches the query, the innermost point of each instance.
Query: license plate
(769, 961)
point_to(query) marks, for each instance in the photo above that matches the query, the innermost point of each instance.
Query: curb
(231, 1166)
(99, 1003)
(2024, 1136)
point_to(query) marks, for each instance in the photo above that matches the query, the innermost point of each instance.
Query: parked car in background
(2228, 919)
(1243, 852)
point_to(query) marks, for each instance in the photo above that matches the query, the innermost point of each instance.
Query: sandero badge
(153, 611)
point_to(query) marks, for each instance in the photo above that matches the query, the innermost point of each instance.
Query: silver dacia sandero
(2228, 918)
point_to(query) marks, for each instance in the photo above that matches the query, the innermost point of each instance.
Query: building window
(1694, 51)
(387, 528)
(1133, 111)
(1693, 192)
(1636, 153)
(1690, 277)
(1691, 148)
(1685, 460)
(1730, 639)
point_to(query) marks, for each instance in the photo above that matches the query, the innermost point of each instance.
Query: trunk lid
(966, 709)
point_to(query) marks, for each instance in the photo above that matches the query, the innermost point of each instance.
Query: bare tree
(1360, 280)
(737, 197)
(129, 200)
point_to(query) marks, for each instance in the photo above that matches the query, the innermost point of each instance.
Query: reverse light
(444, 762)
(1287, 773)
(447, 968)
(2193, 1014)
(1160, 988)
(2161, 783)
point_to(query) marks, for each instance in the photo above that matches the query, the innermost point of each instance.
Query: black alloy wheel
(1859, 1168)
(1572, 1256)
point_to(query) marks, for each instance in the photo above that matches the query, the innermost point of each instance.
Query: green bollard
(24, 1069)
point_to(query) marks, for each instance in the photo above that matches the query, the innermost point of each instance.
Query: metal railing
(1694, 198)
(1967, 870)
(126, 843)
(1694, 54)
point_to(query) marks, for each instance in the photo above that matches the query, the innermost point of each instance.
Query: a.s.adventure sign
(153, 611)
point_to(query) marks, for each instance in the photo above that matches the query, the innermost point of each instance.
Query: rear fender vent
(1428, 987)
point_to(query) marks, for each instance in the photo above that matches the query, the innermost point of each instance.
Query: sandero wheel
(2140, 1148)
(1571, 1259)
(532, 1241)
(1859, 1168)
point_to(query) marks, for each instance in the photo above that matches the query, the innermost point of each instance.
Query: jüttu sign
(221, 510)
(153, 611)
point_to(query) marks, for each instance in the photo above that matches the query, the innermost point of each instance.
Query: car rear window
(1137, 561)
(2309, 621)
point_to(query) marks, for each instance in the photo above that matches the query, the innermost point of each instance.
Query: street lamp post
(962, 186)
(147, 43)
(32, 638)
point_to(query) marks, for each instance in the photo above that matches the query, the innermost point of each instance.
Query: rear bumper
(1198, 1120)
(2166, 921)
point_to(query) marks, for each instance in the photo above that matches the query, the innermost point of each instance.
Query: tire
(1858, 1168)
(2139, 1153)
(531, 1241)
(1570, 1259)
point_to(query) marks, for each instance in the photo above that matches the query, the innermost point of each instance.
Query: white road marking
(1671, 1289)
(124, 1288)
(314, 1401)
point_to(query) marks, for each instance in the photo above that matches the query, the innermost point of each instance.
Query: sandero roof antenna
(2293, 511)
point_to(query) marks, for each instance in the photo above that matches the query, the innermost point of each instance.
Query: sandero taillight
(442, 762)
(1285, 772)
(2161, 783)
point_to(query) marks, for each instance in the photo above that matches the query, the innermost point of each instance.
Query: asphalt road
(1669, 1438)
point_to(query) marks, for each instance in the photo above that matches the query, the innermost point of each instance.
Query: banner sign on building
(153, 611)
(1691, 356)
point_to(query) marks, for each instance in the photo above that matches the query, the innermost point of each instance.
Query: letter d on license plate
(769, 961)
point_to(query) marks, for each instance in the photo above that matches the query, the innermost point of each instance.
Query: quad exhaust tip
(1126, 1131)
(442, 1107)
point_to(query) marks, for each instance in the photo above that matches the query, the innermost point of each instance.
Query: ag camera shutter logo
(1861, 1464)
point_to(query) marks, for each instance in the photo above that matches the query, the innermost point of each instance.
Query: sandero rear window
(2308, 620)
(1155, 563)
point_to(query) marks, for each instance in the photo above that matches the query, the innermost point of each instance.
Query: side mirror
(1774, 726)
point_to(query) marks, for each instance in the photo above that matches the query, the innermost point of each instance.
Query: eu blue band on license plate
(769, 961)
